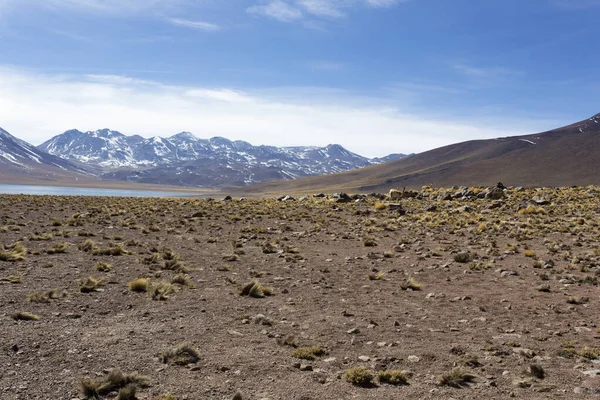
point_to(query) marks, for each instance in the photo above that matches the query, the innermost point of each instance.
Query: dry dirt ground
(469, 298)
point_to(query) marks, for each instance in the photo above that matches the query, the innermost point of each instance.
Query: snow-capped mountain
(185, 159)
(17, 154)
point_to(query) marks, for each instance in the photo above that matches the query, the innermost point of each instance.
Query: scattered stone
(413, 359)
(353, 331)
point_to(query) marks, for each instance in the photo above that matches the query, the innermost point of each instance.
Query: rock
(430, 208)
(543, 388)
(539, 201)
(537, 371)
(591, 372)
(286, 198)
(306, 367)
(527, 353)
(237, 396)
(227, 198)
(341, 198)
(445, 197)
(330, 359)
(494, 204)
(364, 358)
(413, 359)
(524, 383)
(353, 331)
(586, 390)
(464, 209)
(396, 207)
(495, 194)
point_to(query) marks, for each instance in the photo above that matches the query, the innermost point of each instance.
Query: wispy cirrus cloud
(477, 72)
(324, 65)
(294, 10)
(576, 4)
(199, 25)
(108, 6)
(279, 10)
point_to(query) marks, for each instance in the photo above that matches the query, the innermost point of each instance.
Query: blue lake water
(75, 191)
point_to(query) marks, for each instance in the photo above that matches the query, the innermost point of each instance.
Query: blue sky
(376, 76)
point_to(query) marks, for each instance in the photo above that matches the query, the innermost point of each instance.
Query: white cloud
(484, 73)
(322, 8)
(36, 107)
(326, 65)
(200, 25)
(384, 3)
(278, 10)
(110, 6)
(294, 10)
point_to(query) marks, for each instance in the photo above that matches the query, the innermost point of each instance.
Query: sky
(376, 76)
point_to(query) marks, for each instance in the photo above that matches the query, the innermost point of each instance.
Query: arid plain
(450, 294)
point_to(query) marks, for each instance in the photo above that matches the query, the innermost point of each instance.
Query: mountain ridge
(563, 156)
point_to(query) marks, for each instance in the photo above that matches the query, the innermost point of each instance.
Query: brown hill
(561, 157)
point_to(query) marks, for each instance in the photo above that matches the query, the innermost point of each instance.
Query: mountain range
(560, 157)
(184, 159)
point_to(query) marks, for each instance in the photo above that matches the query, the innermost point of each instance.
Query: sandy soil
(473, 286)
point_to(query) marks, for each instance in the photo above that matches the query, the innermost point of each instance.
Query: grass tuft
(392, 377)
(457, 378)
(183, 354)
(24, 316)
(308, 353)
(359, 376)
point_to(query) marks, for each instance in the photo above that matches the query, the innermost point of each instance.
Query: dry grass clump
(87, 246)
(114, 381)
(377, 277)
(255, 289)
(531, 210)
(380, 205)
(457, 378)
(127, 393)
(308, 353)
(139, 285)
(590, 353)
(161, 290)
(182, 280)
(12, 252)
(153, 259)
(393, 377)
(90, 284)
(359, 376)
(117, 250)
(183, 354)
(24, 316)
(411, 284)
(462, 258)
(14, 279)
(103, 267)
(369, 241)
(174, 265)
(44, 297)
(58, 248)
(167, 396)
(40, 237)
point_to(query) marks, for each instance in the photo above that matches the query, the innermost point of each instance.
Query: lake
(77, 191)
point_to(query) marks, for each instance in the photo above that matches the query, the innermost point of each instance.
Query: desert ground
(450, 294)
